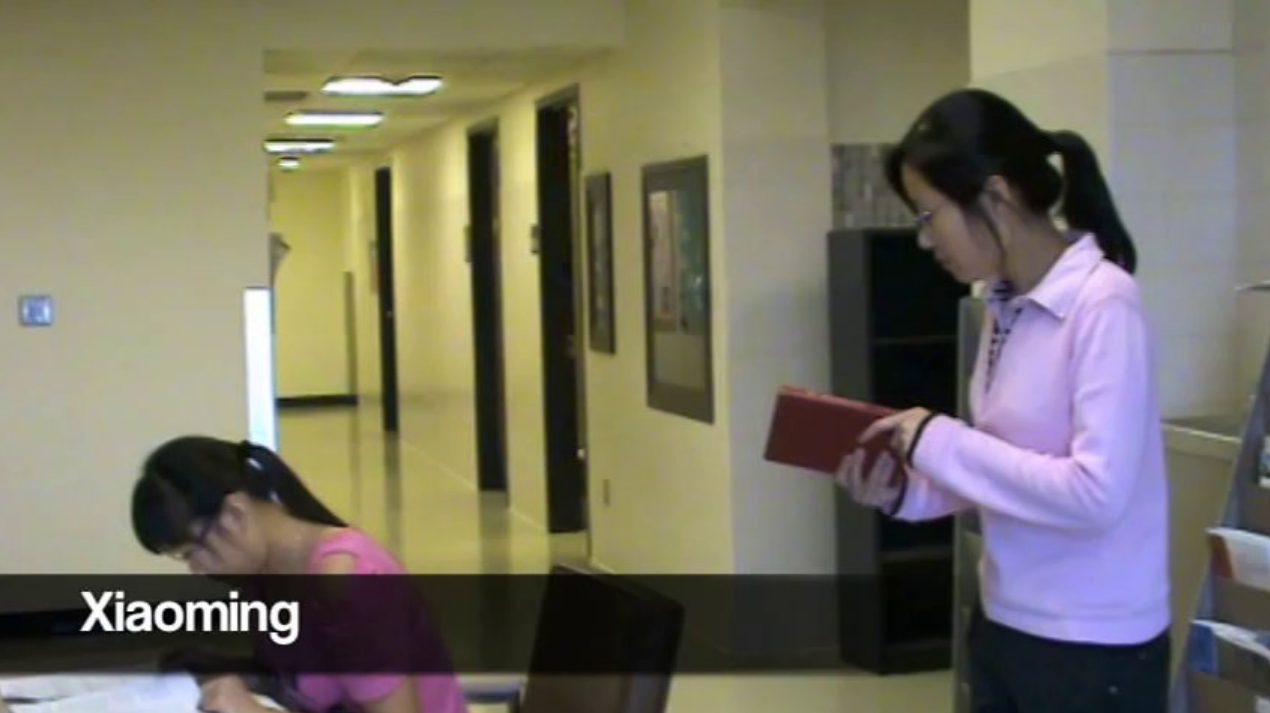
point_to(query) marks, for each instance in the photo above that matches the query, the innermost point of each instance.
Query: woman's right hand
(880, 487)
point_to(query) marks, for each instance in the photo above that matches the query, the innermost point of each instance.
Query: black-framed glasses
(246, 463)
(186, 552)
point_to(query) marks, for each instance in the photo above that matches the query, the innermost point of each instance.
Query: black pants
(1014, 672)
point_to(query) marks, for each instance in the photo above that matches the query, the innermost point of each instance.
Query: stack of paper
(177, 693)
(58, 686)
(148, 693)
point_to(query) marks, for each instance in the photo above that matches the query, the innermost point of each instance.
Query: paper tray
(1254, 509)
(1240, 604)
(1210, 694)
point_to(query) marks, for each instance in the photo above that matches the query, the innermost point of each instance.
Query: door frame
(387, 304)
(490, 377)
(567, 522)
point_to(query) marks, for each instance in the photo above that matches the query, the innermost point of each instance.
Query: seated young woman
(237, 512)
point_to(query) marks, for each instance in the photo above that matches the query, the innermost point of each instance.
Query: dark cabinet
(894, 319)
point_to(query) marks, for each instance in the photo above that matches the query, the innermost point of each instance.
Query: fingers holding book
(876, 485)
(901, 429)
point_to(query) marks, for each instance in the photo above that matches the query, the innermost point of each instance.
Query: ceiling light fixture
(289, 163)
(419, 85)
(336, 119)
(298, 146)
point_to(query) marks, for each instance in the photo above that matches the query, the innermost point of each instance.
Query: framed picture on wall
(599, 230)
(677, 291)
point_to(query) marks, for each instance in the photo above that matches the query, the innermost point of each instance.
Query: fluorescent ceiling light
(289, 163)
(339, 119)
(416, 86)
(293, 146)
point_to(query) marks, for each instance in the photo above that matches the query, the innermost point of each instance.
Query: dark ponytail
(968, 136)
(287, 488)
(188, 479)
(1087, 201)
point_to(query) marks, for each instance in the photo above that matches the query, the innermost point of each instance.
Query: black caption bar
(513, 624)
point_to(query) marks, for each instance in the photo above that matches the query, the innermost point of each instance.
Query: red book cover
(816, 431)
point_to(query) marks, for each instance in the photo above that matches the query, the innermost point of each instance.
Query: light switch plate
(36, 310)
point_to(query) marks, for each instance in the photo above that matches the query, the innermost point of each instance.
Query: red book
(816, 431)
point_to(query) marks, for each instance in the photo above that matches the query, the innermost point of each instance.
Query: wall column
(1151, 86)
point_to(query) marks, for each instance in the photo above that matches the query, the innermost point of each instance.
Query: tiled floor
(439, 524)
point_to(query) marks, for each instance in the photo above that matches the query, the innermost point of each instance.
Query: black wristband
(899, 500)
(917, 435)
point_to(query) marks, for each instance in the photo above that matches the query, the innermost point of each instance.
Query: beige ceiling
(473, 82)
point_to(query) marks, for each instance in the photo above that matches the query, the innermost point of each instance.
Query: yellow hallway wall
(434, 300)
(877, 84)
(310, 211)
(359, 255)
(655, 100)
(145, 227)
(1252, 74)
(135, 193)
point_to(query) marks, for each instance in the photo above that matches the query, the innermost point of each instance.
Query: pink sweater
(438, 692)
(1065, 462)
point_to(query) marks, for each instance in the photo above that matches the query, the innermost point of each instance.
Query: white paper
(57, 686)
(159, 693)
(95, 693)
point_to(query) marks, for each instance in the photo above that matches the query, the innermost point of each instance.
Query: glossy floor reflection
(438, 523)
(434, 521)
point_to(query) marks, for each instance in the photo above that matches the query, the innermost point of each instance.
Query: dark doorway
(563, 379)
(387, 297)
(487, 313)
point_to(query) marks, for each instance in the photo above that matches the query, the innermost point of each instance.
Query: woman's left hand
(901, 427)
(228, 694)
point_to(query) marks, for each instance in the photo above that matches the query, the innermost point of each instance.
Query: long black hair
(187, 480)
(970, 135)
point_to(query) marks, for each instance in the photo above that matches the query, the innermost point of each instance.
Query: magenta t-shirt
(438, 690)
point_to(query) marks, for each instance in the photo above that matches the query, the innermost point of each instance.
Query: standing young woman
(234, 510)
(1064, 460)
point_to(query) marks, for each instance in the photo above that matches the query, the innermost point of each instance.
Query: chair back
(625, 636)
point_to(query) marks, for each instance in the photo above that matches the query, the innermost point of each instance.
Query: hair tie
(1052, 143)
(246, 455)
(247, 452)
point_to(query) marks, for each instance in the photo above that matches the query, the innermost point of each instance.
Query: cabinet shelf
(933, 340)
(928, 553)
(893, 325)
